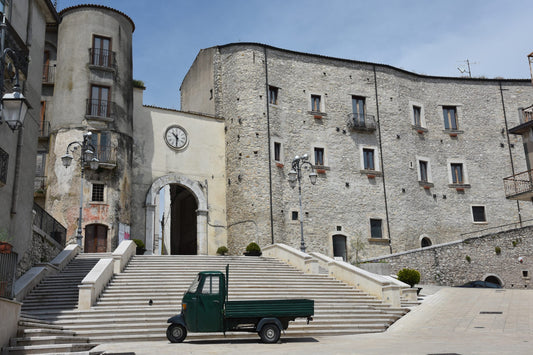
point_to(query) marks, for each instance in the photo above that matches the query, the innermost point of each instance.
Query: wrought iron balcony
(39, 185)
(49, 73)
(107, 156)
(100, 109)
(102, 58)
(526, 121)
(519, 186)
(361, 122)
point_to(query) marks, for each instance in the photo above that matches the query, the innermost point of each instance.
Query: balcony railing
(107, 155)
(39, 184)
(519, 186)
(100, 108)
(8, 268)
(361, 122)
(527, 114)
(49, 73)
(49, 225)
(102, 57)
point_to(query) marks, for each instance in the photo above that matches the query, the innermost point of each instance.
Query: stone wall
(476, 258)
(43, 249)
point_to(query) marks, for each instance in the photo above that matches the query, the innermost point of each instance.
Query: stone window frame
(383, 238)
(429, 181)
(322, 104)
(281, 157)
(458, 115)
(103, 193)
(486, 221)
(422, 125)
(275, 90)
(466, 181)
(377, 165)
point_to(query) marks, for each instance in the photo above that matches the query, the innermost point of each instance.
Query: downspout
(509, 147)
(381, 159)
(268, 148)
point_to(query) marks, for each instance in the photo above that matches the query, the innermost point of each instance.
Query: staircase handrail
(291, 256)
(94, 283)
(122, 255)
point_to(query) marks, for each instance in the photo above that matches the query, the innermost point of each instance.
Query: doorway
(183, 223)
(339, 246)
(95, 238)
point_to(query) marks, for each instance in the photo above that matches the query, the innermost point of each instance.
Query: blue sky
(423, 36)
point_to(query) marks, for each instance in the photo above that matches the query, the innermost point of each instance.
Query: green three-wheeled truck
(205, 308)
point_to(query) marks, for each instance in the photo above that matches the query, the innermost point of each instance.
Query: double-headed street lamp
(295, 175)
(87, 156)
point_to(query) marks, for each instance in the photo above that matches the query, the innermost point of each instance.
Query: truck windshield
(194, 285)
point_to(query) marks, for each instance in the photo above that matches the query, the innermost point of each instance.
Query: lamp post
(295, 175)
(87, 156)
(14, 104)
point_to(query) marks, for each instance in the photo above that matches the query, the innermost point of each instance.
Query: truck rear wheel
(270, 333)
(176, 333)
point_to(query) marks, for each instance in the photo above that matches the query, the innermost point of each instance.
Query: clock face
(176, 137)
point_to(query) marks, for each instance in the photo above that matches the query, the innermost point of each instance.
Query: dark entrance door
(95, 238)
(339, 246)
(183, 208)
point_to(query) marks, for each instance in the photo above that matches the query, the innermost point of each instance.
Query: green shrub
(140, 243)
(409, 276)
(498, 250)
(467, 258)
(222, 250)
(253, 247)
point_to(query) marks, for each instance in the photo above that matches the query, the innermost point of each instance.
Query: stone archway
(495, 279)
(196, 189)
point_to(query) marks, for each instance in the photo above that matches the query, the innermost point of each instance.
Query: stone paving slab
(450, 321)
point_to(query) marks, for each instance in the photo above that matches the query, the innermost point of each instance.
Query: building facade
(404, 160)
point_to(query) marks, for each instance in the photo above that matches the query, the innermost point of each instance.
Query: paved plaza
(449, 321)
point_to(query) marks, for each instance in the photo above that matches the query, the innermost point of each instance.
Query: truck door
(210, 305)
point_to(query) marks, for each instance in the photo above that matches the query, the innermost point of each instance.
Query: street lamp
(14, 105)
(87, 156)
(295, 175)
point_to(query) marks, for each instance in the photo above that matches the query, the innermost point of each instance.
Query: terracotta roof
(65, 10)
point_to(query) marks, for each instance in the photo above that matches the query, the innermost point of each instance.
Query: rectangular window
(417, 113)
(478, 214)
(102, 145)
(40, 164)
(368, 159)
(315, 103)
(450, 117)
(98, 193)
(376, 231)
(101, 51)
(294, 215)
(277, 151)
(358, 109)
(100, 101)
(273, 95)
(211, 285)
(423, 166)
(457, 173)
(319, 156)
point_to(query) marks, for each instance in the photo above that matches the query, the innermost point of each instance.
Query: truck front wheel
(176, 333)
(270, 333)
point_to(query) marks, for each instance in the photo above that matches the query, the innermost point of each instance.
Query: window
(294, 215)
(358, 109)
(99, 102)
(101, 51)
(273, 95)
(40, 164)
(101, 143)
(368, 159)
(417, 114)
(319, 156)
(315, 103)
(277, 151)
(478, 214)
(98, 193)
(376, 231)
(457, 173)
(211, 285)
(423, 169)
(425, 242)
(450, 117)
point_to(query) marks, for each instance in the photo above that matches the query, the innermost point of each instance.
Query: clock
(176, 137)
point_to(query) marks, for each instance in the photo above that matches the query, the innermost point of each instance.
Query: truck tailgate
(270, 308)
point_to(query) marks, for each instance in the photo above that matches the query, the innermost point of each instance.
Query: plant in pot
(253, 249)
(223, 250)
(5, 242)
(409, 276)
(140, 246)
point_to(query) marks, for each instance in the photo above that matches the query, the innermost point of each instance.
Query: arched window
(425, 242)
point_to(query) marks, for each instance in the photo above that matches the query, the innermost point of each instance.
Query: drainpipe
(509, 147)
(381, 158)
(268, 148)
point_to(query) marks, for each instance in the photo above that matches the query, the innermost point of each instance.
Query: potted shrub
(5, 242)
(140, 246)
(223, 250)
(409, 276)
(253, 249)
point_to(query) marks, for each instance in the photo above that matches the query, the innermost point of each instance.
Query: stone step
(49, 348)
(48, 339)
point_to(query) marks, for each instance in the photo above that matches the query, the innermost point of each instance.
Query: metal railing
(102, 57)
(49, 225)
(518, 184)
(8, 268)
(49, 73)
(498, 229)
(106, 154)
(357, 121)
(100, 108)
(39, 184)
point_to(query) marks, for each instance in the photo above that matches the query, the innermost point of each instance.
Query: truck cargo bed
(289, 308)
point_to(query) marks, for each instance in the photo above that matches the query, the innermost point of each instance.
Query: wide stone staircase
(137, 302)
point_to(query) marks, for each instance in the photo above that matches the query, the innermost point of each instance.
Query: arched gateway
(196, 189)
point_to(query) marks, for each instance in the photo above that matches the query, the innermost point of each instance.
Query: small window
(98, 193)
(426, 242)
(376, 231)
(423, 166)
(358, 110)
(457, 173)
(294, 215)
(211, 285)
(478, 214)
(319, 156)
(277, 151)
(315, 103)
(450, 117)
(101, 52)
(417, 114)
(368, 159)
(273, 95)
